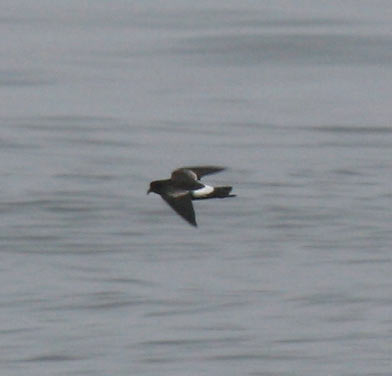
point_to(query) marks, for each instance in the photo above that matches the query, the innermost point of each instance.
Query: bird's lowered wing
(181, 202)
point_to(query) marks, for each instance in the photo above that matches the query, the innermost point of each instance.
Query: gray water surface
(292, 277)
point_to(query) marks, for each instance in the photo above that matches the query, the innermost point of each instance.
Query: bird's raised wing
(181, 202)
(185, 179)
(197, 172)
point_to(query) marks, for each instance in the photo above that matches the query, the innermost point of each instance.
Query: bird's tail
(221, 192)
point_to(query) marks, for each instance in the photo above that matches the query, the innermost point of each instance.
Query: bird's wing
(196, 172)
(181, 202)
(185, 179)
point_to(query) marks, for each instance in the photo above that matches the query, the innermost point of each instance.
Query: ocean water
(291, 277)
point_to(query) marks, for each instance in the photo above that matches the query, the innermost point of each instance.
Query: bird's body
(185, 186)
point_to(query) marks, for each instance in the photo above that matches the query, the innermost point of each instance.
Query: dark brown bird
(185, 186)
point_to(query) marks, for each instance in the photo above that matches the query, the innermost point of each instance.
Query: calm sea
(292, 277)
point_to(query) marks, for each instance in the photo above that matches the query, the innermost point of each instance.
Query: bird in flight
(184, 186)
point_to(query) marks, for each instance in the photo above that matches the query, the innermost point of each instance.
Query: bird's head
(155, 186)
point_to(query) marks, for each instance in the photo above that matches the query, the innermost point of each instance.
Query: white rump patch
(201, 192)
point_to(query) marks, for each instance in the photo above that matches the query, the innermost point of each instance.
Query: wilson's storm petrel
(185, 186)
